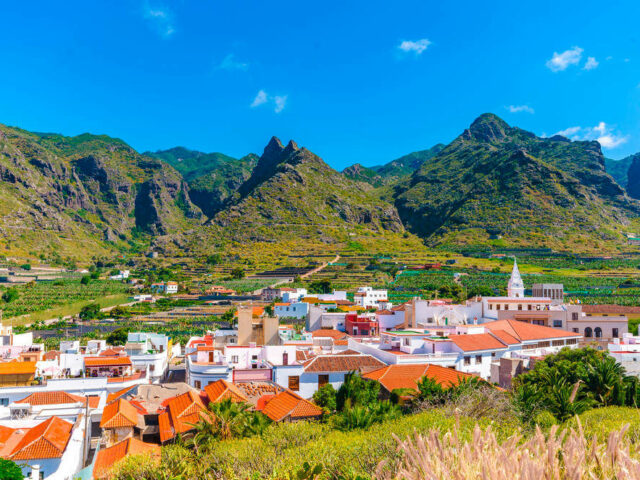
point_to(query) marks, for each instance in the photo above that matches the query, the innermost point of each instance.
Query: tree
(237, 273)
(214, 259)
(26, 266)
(10, 295)
(356, 391)
(85, 280)
(10, 470)
(89, 312)
(320, 286)
(325, 397)
(118, 337)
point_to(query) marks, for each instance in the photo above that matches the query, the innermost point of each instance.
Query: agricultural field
(60, 296)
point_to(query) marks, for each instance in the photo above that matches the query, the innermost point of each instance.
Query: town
(75, 411)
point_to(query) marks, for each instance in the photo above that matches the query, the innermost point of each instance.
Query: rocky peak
(488, 128)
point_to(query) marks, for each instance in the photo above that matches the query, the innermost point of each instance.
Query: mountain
(633, 175)
(394, 170)
(497, 181)
(291, 189)
(618, 169)
(212, 177)
(78, 196)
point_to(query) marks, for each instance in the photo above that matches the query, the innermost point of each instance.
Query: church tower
(515, 288)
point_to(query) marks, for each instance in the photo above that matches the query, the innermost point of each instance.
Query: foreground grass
(395, 449)
(68, 310)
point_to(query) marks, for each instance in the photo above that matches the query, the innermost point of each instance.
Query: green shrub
(545, 420)
(603, 421)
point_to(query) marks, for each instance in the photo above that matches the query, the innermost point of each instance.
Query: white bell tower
(515, 288)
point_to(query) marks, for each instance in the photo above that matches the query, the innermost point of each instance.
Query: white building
(293, 295)
(469, 349)
(367, 297)
(150, 352)
(291, 310)
(122, 275)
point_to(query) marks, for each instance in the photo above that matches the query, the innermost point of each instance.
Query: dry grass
(568, 455)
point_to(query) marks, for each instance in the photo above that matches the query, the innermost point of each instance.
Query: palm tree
(256, 423)
(604, 380)
(230, 418)
(567, 400)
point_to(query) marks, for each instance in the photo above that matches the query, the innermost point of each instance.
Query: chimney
(35, 472)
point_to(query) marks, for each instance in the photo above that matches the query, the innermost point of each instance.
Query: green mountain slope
(293, 190)
(212, 177)
(503, 183)
(618, 169)
(393, 171)
(84, 195)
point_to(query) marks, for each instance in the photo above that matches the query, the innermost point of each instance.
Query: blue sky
(354, 81)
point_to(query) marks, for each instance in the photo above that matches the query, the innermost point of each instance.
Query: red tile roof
(58, 397)
(221, 389)
(107, 457)
(46, 440)
(408, 376)
(181, 414)
(523, 331)
(116, 395)
(17, 368)
(288, 405)
(106, 361)
(328, 332)
(342, 363)
(477, 341)
(119, 414)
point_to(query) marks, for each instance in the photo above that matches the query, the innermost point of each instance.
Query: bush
(10, 295)
(545, 420)
(325, 397)
(89, 312)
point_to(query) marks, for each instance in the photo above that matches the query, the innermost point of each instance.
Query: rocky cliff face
(67, 192)
(633, 176)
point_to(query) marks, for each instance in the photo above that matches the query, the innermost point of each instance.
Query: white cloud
(278, 101)
(602, 133)
(161, 19)
(261, 98)
(591, 64)
(520, 108)
(417, 46)
(231, 63)
(561, 61)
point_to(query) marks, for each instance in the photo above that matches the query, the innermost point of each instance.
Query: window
(588, 333)
(575, 330)
(210, 357)
(491, 306)
(493, 354)
(574, 315)
(285, 358)
(322, 380)
(197, 384)
(294, 383)
(467, 360)
(152, 367)
(557, 324)
(234, 358)
(254, 357)
(478, 358)
(519, 306)
(498, 306)
(598, 332)
(614, 332)
(406, 342)
(529, 307)
(4, 402)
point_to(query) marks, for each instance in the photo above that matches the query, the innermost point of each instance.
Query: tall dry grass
(566, 455)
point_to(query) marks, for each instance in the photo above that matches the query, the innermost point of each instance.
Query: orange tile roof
(408, 376)
(17, 368)
(111, 352)
(288, 405)
(505, 337)
(59, 397)
(181, 414)
(328, 332)
(221, 389)
(46, 440)
(477, 341)
(527, 331)
(119, 414)
(106, 361)
(107, 457)
(342, 363)
(115, 395)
